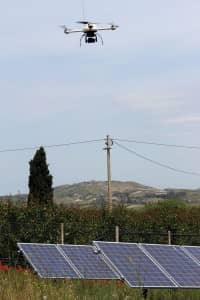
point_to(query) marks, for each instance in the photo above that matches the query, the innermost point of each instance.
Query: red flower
(3, 267)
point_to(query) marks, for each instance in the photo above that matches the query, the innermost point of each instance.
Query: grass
(24, 285)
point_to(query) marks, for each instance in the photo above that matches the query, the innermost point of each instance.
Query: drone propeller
(113, 25)
(63, 26)
(86, 22)
(66, 29)
(83, 22)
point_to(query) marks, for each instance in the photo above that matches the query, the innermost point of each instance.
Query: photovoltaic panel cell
(179, 265)
(47, 261)
(194, 251)
(131, 262)
(88, 263)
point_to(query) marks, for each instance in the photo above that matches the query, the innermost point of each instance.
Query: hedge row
(43, 225)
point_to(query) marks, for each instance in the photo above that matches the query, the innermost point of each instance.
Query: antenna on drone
(83, 8)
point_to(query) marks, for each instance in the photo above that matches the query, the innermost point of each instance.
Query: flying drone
(90, 31)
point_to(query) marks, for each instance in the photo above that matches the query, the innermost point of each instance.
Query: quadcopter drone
(90, 31)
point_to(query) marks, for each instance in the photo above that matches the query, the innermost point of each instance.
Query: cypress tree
(40, 181)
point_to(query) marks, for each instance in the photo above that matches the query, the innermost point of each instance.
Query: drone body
(90, 31)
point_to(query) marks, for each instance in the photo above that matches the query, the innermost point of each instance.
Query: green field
(26, 286)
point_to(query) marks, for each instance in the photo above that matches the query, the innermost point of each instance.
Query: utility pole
(108, 148)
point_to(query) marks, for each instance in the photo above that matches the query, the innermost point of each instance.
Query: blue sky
(143, 84)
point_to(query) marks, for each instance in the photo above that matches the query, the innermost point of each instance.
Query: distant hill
(94, 193)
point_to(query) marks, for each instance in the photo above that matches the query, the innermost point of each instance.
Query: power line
(156, 162)
(50, 146)
(158, 144)
(98, 140)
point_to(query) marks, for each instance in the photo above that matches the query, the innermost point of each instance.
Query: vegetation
(24, 285)
(40, 181)
(149, 224)
(42, 224)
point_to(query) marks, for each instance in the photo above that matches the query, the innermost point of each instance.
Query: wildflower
(3, 267)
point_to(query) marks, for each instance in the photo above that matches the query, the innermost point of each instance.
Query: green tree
(40, 181)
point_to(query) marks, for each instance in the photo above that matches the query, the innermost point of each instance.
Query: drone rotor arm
(111, 27)
(73, 30)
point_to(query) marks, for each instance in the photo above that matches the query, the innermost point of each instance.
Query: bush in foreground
(24, 285)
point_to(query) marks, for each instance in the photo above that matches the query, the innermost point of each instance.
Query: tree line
(82, 226)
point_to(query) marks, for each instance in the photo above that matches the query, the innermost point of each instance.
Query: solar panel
(180, 266)
(194, 251)
(47, 261)
(135, 267)
(141, 265)
(89, 264)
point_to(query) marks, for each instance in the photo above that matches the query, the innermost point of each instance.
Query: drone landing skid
(100, 38)
(82, 39)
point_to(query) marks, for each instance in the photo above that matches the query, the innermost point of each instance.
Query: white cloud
(172, 93)
(37, 100)
(150, 101)
(183, 120)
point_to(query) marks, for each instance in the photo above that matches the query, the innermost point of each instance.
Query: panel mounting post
(169, 237)
(117, 234)
(62, 233)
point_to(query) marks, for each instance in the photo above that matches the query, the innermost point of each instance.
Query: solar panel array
(67, 261)
(47, 261)
(89, 263)
(177, 263)
(134, 265)
(140, 265)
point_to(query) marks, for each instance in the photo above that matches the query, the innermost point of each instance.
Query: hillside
(93, 193)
